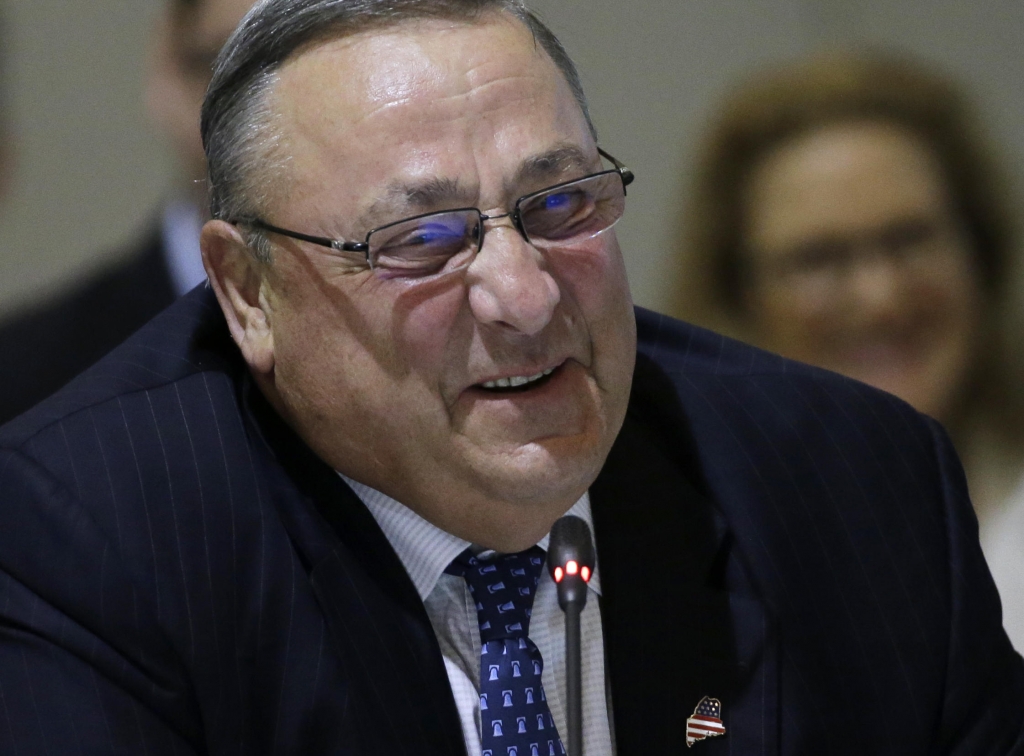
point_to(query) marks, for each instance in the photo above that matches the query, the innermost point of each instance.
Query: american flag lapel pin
(706, 721)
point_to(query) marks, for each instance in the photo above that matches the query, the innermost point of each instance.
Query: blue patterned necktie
(514, 715)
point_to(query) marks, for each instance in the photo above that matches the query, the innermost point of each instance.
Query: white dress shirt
(425, 550)
(1002, 540)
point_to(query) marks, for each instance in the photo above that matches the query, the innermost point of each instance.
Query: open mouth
(517, 382)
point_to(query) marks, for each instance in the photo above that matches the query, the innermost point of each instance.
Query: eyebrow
(424, 196)
(551, 165)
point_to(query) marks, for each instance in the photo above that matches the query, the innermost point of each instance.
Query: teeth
(516, 380)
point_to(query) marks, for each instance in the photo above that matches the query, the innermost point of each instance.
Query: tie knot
(503, 588)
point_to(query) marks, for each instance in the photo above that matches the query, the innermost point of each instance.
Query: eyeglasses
(447, 240)
(821, 270)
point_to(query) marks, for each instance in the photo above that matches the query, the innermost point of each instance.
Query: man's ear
(236, 279)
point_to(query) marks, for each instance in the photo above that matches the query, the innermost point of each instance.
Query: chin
(542, 475)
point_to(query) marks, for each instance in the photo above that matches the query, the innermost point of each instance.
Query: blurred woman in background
(846, 213)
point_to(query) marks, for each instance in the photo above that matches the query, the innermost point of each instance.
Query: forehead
(434, 64)
(848, 175)
(425, 97)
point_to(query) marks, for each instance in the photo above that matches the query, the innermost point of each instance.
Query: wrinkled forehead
(431, 70)
(459, 108)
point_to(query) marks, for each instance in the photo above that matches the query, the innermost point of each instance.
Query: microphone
(571, 563)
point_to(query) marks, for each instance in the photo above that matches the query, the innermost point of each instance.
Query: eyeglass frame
(791, 273)
(340, 245)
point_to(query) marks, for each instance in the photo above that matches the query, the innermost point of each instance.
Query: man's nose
(508, 283)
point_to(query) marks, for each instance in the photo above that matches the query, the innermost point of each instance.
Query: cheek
(595, 281)
(951, 313)
(359, 372)
(330, 339)
(319, 366)
(953, 284)
(784, 322)
(594, 278)
(429, 335)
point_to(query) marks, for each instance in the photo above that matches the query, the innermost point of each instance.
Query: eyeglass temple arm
(323, 241)
(624, 172)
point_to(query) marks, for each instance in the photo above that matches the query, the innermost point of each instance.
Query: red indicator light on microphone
(585, 574)
(571, 568)
(559, 574)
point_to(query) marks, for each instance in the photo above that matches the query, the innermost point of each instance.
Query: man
(48, 344)
(266, 524)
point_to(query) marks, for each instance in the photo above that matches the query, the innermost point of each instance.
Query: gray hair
(237, 120)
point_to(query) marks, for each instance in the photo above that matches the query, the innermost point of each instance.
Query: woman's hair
(783, 104)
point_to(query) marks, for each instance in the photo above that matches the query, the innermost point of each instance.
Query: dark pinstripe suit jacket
(180, 575)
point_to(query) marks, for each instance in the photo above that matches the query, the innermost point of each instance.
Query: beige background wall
(88, 170)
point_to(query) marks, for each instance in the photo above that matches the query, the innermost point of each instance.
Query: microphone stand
(573, 680)
(571, 563)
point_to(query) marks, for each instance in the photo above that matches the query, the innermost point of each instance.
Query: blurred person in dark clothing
(847, 212)
(47, 344)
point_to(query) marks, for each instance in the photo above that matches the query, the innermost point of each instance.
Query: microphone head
(571, 560)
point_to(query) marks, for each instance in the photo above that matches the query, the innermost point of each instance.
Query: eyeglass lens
(825, 264)
(425, 245)
(448, 240)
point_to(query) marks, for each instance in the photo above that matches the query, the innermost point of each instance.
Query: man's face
(383, 376)
(185, 45)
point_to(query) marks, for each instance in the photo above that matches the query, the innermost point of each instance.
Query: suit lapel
(674, 632)
(400, 700)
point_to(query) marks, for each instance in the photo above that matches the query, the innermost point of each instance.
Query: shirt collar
(424, 549)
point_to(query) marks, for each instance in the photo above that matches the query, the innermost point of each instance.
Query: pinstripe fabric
(425, 551)
(180, 575)
(147, 585)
